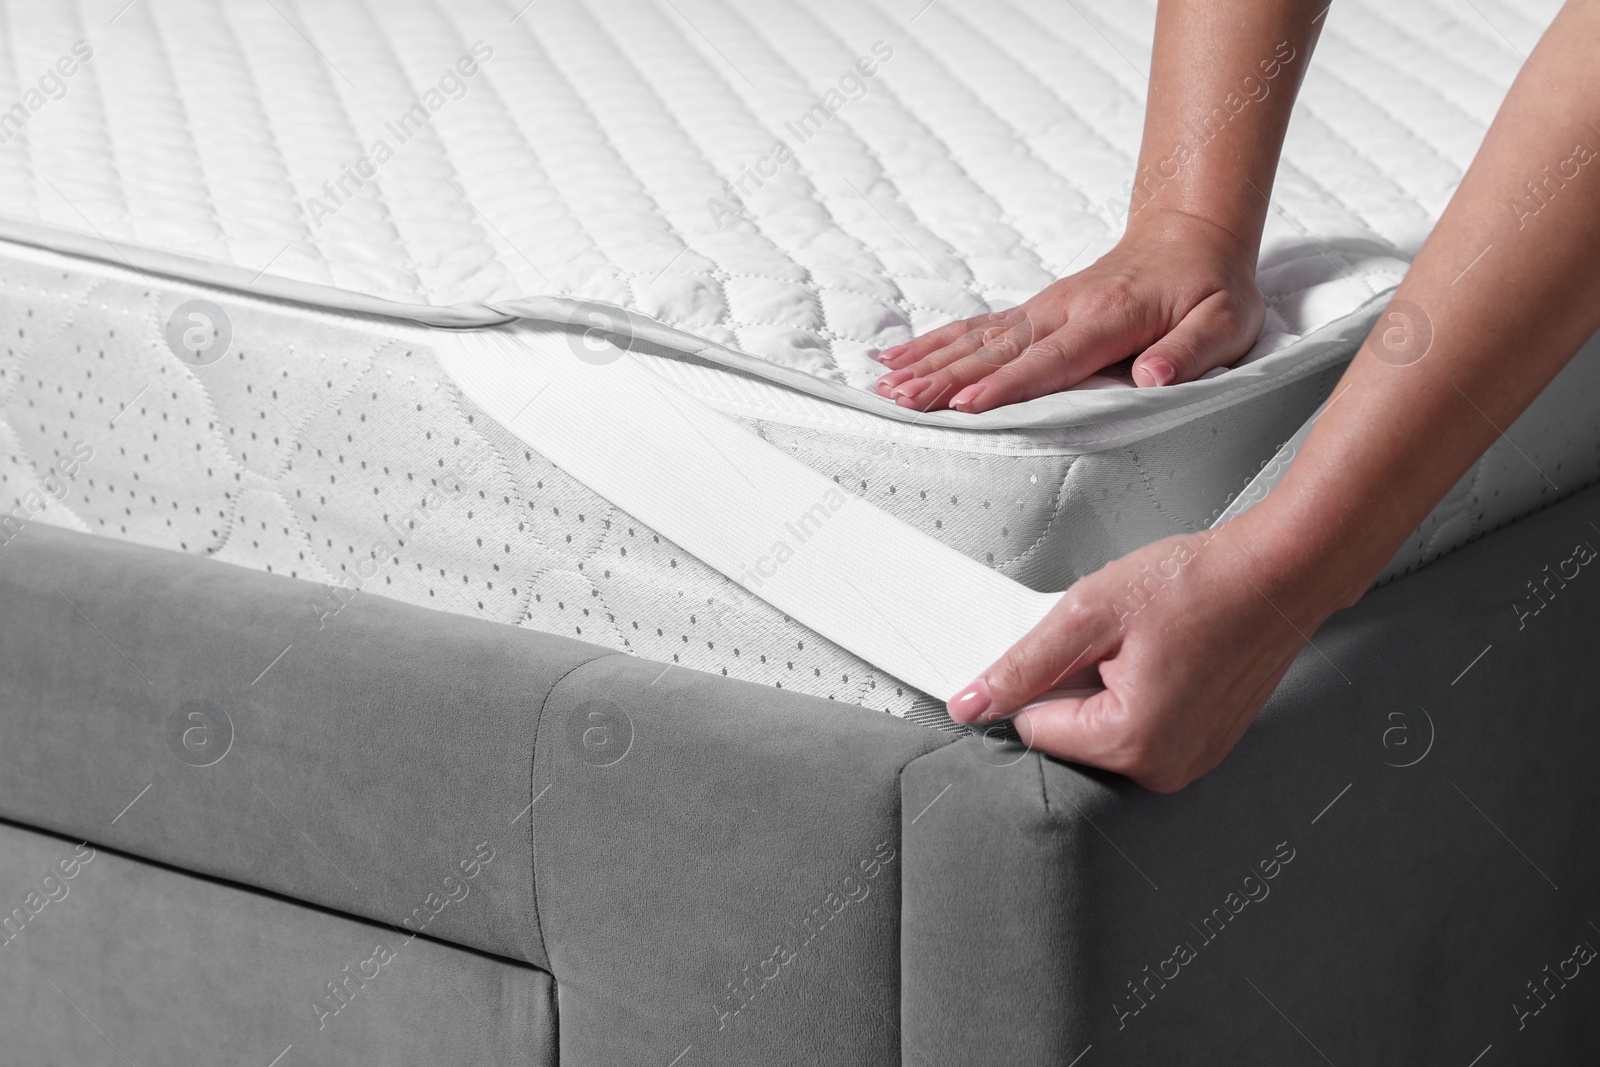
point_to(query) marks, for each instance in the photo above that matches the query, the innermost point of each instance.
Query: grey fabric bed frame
(403, 836)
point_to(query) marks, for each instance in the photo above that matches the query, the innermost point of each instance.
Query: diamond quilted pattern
(988, 153)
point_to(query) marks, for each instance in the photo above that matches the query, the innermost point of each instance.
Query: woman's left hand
(1190, 636)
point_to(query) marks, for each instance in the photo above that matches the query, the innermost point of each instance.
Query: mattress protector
(367, 194)
(454, 165)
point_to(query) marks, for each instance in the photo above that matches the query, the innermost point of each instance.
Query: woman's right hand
(1177, 292)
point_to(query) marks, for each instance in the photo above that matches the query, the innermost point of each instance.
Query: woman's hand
(1190, 635)
(1178, 292)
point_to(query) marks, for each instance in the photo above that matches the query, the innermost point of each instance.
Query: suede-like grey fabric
(719, 870)
(1429, 766)
(107, 961)
(366, 764)
(715, 869)
(371, 762)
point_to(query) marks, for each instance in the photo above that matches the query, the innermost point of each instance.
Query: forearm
(1509, 284)
(1223, 79)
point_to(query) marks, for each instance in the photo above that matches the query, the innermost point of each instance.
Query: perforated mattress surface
(339, 182)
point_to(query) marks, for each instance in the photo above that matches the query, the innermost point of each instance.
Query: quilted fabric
(618, 152)
(318, 437)
(986, 155)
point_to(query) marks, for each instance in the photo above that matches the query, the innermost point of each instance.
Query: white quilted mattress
(342, 180)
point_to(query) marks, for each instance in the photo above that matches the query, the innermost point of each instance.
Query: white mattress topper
(784, 187)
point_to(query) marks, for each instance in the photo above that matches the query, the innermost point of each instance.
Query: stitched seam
(1055, 517)
(413, 263)
(624, 69)
(341, 113)
(751, 222)
(950, 153)
(447, 158)
(533, 763)
(278, 159)
(102, 113)
(881, 175)
(1022, 66)
(202, 186)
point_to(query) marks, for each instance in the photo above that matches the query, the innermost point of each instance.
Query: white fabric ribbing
(934, 618)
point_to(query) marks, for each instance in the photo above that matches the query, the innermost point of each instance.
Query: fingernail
(967, 397)
(971, 702)
(1157, 371)
(892, 379)
(910, 389)
(890, 353)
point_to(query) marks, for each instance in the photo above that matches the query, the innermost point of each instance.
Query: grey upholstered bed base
(109, 957)
(1397, 865)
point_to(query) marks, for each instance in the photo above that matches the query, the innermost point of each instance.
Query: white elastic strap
(917, 609)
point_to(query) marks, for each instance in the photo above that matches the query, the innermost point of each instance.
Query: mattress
(234, 239)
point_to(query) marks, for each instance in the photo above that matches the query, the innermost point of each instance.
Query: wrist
(1309, 572)
(1154, 225)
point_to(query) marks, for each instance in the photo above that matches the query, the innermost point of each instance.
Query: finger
(1072, 636)
(909, 370)
(1098, 731)
(944, 374)
(984, 331)
(1101, 730)
(1083, 729)
(1059, 361)
(1214, 334)
(921, 345)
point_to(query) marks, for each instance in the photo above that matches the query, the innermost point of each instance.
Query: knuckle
(1181, 351)
(1113, 300)
(952, 331)
(1227, 315)
(1077, 611)
(1237, 315)
(1003, 345)
(1050, 349)
(1011, 678)
(1143, 759)
(972, 338)
(1028, 333)
(1164, 782)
